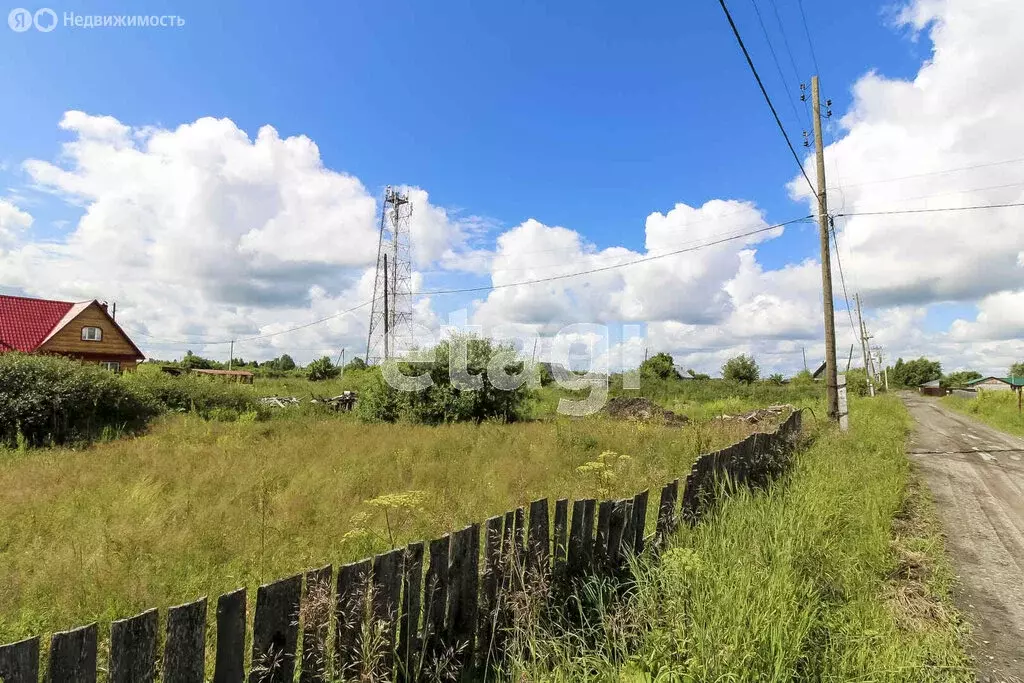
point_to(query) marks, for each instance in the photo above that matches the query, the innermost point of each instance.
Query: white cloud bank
(203, 231)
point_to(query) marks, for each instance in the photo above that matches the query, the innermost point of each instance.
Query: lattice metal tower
(391, 332)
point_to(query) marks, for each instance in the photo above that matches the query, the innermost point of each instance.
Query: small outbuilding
(933, 388)
(997, 383)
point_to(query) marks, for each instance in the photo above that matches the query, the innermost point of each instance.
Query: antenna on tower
(390, 333)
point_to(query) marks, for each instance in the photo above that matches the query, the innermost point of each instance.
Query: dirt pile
(642, 409)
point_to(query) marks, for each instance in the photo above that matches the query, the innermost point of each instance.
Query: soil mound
(642, 409)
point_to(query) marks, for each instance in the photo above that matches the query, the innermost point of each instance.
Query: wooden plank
(387, 586)
(538, 543)
(616, 527)
(349, 605)
(409, 621)
(73, 656)
(185, 643)
(133, 648)
(561, 534)
(19, 662)
(229, 665)
(489, 585)
(639, 525)
(435, 596)
(599, 558)
(463, 586)
(667, 511)
(518, 529)
(275, 631)
(315, 613)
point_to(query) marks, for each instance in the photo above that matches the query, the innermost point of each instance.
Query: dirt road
(976, 474)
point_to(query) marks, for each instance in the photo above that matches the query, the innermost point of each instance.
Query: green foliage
(194, 362)
(997, 408)
(283, 363)
(776, 378)
(191, 393)
(446, 401)
(661, 366)
(1017, 369)
(356, 364)
(321, 369)
(742, 368)
(604, 470)
(914, 373)
(54, 400)
(699, 376)
(803, 378)
(544, 372)
(960, 379)
(857, 382)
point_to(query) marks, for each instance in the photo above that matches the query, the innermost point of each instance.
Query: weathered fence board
(409, 622)
(561, 535)
(667, 512)
(19, 662)
(73, 656)
(616, 526)
(436, 596)
(316, 622)
(489, 585)
(599, 557)
(229, 665)
(350, 602)
(538, 543)
(387, 586)
(639, 523)
(133, 648)
(275, 631)
(185, 644)
(463, 585)
(581, 539)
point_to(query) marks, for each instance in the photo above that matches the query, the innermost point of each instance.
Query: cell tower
(391, 312)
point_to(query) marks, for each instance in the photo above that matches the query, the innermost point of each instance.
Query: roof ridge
(36, 298)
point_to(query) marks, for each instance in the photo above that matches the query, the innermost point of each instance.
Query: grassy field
(839, 575)
(996, 408)
(199, 507)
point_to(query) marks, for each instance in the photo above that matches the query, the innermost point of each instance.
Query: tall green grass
(996, 408)
(837, 574)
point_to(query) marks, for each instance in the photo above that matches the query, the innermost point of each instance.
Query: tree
(803, 378)
(661, 366)
(914, 373)
(321, 369)
(1017, 369)
(446, 400)
(194, 362)
(742, 368)
(285, 363)
(697, 375)
(356, 363)
(959, 379)
(776, 379)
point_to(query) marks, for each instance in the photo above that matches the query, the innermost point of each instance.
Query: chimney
(104, 305)
(113, 313)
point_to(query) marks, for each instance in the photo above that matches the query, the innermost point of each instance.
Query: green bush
(444, 401)
(321, 369)
(54, 400)
(190, 393)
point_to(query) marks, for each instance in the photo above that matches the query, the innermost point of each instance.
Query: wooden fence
(458, 610)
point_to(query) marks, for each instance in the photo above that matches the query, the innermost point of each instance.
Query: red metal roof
(25, 323)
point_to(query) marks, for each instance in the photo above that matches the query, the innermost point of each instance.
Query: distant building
(997, 383)
(932, 388)
(82, 330)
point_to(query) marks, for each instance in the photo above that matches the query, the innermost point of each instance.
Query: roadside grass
(200, 507)
(838, 574)
(995, 408)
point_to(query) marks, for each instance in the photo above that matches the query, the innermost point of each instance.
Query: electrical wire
(931, 173)
(760, 84)
(792, 62)
(842, 278)
(778, 67)
(948, 208)
(807, 31)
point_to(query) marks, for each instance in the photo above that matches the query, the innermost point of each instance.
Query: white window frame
(112, 365)
(87, 334)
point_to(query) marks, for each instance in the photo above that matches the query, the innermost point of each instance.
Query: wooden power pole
(831, 378)
(868, 369)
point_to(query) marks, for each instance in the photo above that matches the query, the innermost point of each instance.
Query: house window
(112, 365)
(92, 334)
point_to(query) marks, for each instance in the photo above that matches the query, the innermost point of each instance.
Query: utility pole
(803, 350)
(231, 354)
(831, 376)
(864, 347)
(387, 318)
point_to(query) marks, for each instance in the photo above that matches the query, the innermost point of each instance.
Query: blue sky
(590, 116)
(587, 115)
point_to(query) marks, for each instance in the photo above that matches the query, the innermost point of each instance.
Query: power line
(807, 31)
(767, 99)
(785, 43)
(842, 278)
(778, 67)
(931, 173)
(948, 208)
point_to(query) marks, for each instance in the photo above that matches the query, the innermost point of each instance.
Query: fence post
(19, 662)
(408, 637)
(133, 648)
(639, 522)
(185, 644)
(316, 620)
(275, 631)
(436, 597)
(487, 617)
(229, 665)
(73, 656)
(349, 605)
(538, 544)
(463, 577)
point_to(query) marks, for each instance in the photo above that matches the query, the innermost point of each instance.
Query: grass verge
(838, 574)
(995, 408)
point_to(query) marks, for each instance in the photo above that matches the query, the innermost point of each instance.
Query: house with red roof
(84, 330)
